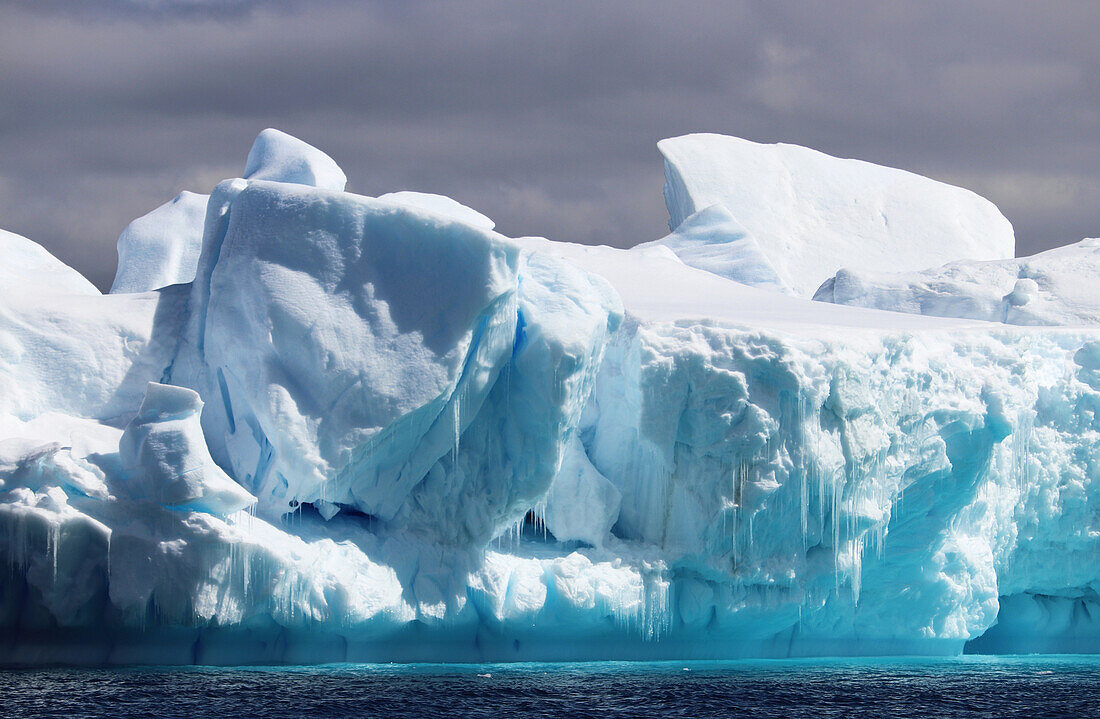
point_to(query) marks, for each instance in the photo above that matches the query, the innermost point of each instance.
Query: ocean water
(1033, 686)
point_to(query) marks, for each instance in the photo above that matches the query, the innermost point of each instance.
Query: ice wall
(376, 430)
(843, 474)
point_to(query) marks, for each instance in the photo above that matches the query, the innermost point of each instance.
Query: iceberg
(375, 429)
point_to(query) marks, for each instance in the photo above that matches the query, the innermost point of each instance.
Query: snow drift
(317, 426)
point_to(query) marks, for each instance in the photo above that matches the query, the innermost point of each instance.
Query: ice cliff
(308, 425)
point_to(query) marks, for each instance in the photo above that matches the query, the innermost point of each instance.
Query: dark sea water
(1040, 686)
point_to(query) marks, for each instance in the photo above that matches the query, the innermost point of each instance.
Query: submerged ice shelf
(308, 425)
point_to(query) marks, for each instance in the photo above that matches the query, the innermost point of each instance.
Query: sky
(544, 116)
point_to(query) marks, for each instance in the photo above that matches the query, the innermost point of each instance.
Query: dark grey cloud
(544, 116)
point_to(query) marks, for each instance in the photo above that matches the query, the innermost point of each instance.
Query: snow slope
(712, 240)
(376, 430)
(813, 214)
(27, 263)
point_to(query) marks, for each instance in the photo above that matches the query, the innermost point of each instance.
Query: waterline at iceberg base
(312, 426)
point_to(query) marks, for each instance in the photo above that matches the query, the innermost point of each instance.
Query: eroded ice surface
(374, 429)
(165, 460)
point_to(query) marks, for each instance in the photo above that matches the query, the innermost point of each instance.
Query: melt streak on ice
(308, 425)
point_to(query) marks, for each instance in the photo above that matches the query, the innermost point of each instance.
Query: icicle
(821, 505)
(539, 514)
(246, 573)
(458, 430)
(17, 539)
(109, 534)
(749, 554)
(802, 410)
(838, 477)
(656, 617)
(804, 508)
(742, 470)
(856, 554)
(1021, 452)
(54, 539)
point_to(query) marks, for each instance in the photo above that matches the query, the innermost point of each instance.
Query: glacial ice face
(813, 214)
(845, 476)
(348, 344)
(161, 248)
(468, 447)
(1055, 287)
(1042, 623)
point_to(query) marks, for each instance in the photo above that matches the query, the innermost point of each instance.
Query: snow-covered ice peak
(813, 214)
(280, 157)
(162, 248)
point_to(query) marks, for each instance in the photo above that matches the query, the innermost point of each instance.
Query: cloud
(543, 116)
